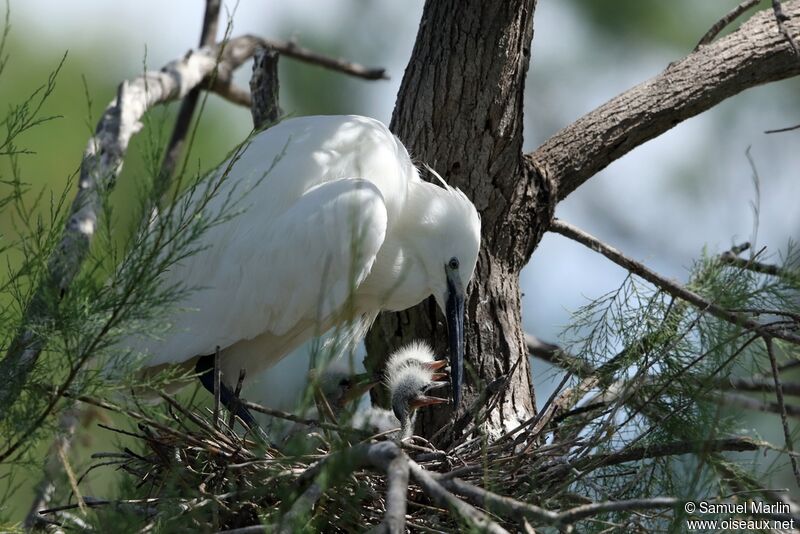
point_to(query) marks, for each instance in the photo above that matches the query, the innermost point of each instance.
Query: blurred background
(691, 188)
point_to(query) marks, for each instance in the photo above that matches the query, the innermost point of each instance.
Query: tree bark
(460, 110)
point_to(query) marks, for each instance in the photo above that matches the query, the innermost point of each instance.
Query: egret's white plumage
(339, 228)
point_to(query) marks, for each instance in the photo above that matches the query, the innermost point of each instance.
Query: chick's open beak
(435, 365)
(424, 399)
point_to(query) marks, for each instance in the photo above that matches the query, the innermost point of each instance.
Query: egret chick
(338, 387)
(409, 387)
(415, 353)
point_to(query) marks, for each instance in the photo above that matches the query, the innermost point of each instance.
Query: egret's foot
(205, 370)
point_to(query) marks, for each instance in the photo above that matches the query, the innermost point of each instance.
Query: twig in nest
(217, 387)
(443, 497)
(236, 402)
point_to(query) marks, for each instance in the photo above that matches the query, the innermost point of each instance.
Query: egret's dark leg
(205, 368)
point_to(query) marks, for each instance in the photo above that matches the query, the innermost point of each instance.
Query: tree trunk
(460, 110)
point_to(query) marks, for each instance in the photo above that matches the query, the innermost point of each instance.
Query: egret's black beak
(455, 332)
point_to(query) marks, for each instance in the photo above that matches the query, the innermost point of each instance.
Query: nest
(194, 471)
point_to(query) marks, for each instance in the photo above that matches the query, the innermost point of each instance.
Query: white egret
(338, 227)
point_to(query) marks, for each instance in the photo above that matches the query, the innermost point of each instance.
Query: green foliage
(659, 364)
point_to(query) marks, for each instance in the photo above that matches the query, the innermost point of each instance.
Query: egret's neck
(398, 279)
(407, 425)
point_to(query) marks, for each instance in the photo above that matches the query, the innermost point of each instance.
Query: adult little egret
(338, 226)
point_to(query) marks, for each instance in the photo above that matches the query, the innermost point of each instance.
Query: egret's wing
(267, 274)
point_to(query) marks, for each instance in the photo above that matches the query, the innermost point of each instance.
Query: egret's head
(450, 236)
(409, 389)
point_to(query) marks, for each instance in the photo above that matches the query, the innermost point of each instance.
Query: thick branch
(755, 54)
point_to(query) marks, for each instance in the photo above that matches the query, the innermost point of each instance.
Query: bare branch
(781, 130)
(755, 384)
(232, 93)
(756, 266)
(500, 504)
(301, 507)
(758, 405)
(669, 286)
(509, 507)
(396, 495)
(299, 420)
(773, 362)
(677, 448)
(217, 388)
(208, 36)
(752, 55)
(720, 25)
(588, 510)
(292, 49)
(555, 355)
(102, 162)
